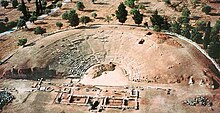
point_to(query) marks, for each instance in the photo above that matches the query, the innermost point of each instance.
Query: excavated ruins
(120, 53)
(107, 67)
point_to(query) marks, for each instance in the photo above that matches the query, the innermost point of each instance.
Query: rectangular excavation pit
(79, 100)
(111, 102)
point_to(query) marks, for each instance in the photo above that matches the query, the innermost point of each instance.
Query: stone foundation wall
(29, 73)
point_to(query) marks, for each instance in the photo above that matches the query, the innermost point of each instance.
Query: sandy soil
(102, 8)
(108, 78)
(158, 61)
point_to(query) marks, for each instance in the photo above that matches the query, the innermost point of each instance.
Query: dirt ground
(151, 99)
(161, 61)
(102, 8)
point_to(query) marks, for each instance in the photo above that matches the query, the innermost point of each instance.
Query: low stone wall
(29, 73)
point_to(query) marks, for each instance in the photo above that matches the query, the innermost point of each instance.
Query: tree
(185, 12)
(217, 25)
(12, 24)
(14, 3)
(214, 50)
(65, 15)
(59, 25)
(206, 40)
(33, 17)
(44, 6)
(22, 42)
(206, 9)
(108, 19)
(183, 20)
(201, 25)
(167, 1)
(80, 6)
(23, 9)
(85, 20)
(157, 19)
(156, 28)
(4, 3)
(21, 23)
(39, 30)
(166, 25)
(73, 18)
(176, 27)
(40, 7)
(121, 13)
(141, 7)
(6, 19)
(214, 35)
(59, 5)
(138, 18)
(3, 27)
(37, 9)
(133, 11)
(94, 15)
(130, 3)
(186, 31)
(196, 36)
(194, 3)
(47, 11)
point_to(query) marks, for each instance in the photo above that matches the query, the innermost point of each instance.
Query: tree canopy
(4, 3)
(206, 9)
(130, 3)
(85, 20)
(121, 13)
(22, 41)
(138, 17)
(80, 6)
(14, 3)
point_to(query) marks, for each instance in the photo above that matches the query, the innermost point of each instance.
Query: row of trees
(203, 33)
(122, 13)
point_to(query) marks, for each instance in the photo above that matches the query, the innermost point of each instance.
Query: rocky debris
(5, 98)
(199, 100)
(8, 89)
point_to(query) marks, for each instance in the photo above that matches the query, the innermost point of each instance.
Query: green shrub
(65, 15)
(22, 41)
(80, 6)
(12, 24)
(167, 1)
(4, 3)
(201, 25)
(47, 11)
(94, 15)
(130, 3)
(3, 27)
(14, 3)
(156, 28)
(59, 24)
(39, 30)
(133, 11)
(84, 20)
(206, 9)
(59, 5)
(108, 19)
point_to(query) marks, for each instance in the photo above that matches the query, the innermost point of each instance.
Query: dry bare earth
(76, 50)
(161, 59)
(102, 8)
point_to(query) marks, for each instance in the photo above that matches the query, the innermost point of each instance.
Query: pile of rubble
(199, 100)
(5, 97)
